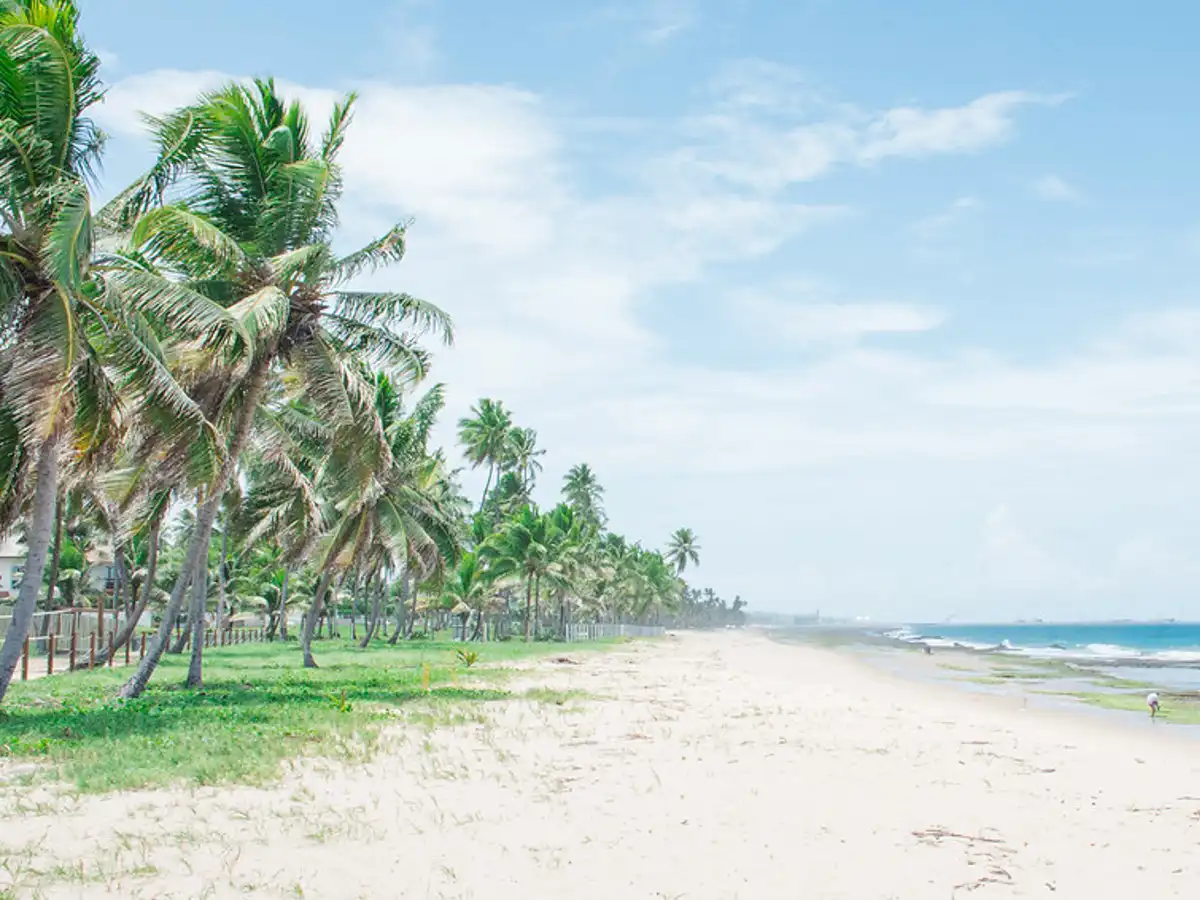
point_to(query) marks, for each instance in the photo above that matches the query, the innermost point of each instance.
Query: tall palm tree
(683, 550)
(485, 438)
(240, 207)
(523, 458)
(72, 349)
(583, 492)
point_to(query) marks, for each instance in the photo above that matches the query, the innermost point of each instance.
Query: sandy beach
(715, 766)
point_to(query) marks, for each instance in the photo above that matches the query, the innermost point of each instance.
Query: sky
(895, 305)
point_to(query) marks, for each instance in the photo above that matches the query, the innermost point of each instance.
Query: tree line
(190, 376)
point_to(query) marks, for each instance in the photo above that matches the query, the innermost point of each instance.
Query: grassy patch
(1179, 709)
(259, 707)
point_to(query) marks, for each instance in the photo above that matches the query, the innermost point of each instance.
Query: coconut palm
(485, 437)
(683, 550)
(390, 505)
(73, 350)
(240, 206)
(469, 587)
(518, 551)
(523, 456)
(584, 493)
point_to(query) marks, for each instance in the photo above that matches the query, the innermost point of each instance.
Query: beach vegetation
(196, 383)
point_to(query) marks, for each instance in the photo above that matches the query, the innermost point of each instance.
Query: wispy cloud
(1051, 187)
(807, 314)
(665, 20)
(769, 129)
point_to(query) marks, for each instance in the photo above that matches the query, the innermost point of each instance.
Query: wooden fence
(69, 639)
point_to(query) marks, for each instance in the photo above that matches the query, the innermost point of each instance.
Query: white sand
(717, 766)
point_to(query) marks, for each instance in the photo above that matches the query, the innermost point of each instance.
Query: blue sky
(895, 304)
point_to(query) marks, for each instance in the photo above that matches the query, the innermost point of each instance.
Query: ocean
(1168, 651)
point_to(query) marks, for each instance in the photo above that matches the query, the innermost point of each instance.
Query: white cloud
(153, 93)
(655, 22)
(1051, 187)
(752, 140)
(806, 314)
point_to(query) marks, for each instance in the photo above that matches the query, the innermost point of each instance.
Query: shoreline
(1109, 686)
(702, 765)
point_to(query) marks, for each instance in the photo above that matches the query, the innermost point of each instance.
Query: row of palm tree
(190, 376)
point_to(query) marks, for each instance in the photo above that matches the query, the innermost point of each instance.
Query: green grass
(258, 708)
(1178, 709)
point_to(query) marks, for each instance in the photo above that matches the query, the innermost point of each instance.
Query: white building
(12, 569)
(101, 572)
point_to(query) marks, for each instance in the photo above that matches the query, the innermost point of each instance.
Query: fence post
(25, 660)
(127, 651)
(92, 652)
(112, 647)
(142, 651)
(74, 649)
(50, 655)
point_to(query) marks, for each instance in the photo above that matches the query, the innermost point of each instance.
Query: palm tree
(517, 550)
(72, 348)
(584, 493)
(469, 586)
(523, 456)
(683, 550)
(390, 505)
(240, 206)
(485, 438)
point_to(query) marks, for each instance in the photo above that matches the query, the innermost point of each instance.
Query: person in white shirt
(1152, 702)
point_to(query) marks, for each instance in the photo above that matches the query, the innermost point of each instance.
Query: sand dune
(704, 766)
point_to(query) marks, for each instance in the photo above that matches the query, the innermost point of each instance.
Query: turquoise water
(1145, 642)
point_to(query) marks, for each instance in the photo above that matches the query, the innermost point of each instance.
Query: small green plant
(341, 702)
(468, 657)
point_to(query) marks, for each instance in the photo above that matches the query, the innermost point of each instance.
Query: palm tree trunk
(255, 384)
(41, 630)
(537, 606)
(486, 487)
(196, 621)
(528, 608)
(56, 556)
(412, 619)
(376, 613)
(143, 597)
(221, 605)
(313, 617)
(38, 543)
(401, 607)
(283, 606)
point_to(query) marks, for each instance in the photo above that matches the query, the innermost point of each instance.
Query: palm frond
(383, 251)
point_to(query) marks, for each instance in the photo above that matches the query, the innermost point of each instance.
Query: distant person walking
(1152, 702)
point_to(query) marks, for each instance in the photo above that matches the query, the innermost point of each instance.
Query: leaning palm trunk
(143, 598)
(314, 615)
(40, 527)
(206, 514)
